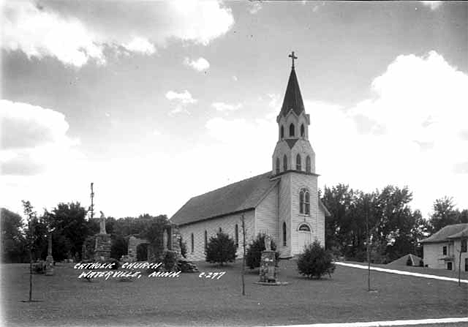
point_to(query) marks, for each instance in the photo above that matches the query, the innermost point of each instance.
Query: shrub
(220, 249)
(254, 251)
(315, 261)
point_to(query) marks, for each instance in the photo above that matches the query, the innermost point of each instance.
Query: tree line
(395, 229)
(72, 232)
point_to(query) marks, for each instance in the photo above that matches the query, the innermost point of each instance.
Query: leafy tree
(13, 241)
(315, 261)
(154, 233)
(444, 214)
(220, 249)
(254, 252)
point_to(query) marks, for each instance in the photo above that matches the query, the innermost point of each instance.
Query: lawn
(65, 300)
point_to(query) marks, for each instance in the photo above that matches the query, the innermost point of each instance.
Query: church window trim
(285, 163)
(282, 132)
(308, 165)
(206, 240)
(304, 202)
(298, 162)
(302, 130)
(284, 234)
(278, 165)
(292, 130)
(304, 227)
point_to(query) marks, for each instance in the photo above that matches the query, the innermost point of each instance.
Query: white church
(282, 202)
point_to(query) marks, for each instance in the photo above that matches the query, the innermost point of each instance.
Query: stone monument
(268, 263)
(102, 247)
(49, 259)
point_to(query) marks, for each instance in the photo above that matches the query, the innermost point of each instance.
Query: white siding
(227, 224)
(266, 216)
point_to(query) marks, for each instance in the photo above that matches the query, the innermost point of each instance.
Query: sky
(156, 102)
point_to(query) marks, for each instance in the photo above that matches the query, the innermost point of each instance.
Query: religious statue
(267, 243)
(102, 224)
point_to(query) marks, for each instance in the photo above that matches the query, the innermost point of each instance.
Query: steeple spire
(292, 97)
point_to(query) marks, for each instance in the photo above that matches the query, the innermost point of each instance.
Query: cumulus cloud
(182, 100)
(200, 64)
(432, 4)
(141, 45)
(33, 139)
(75, 33)
(221, 106)
(410, 132)
(39, 33)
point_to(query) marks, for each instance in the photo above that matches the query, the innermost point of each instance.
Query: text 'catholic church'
(282, 203)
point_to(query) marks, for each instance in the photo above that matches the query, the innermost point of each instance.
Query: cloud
(410, 132)
(75, 33)
(182, 100)
(38, 33)
(221, 106)
(432, 4)
(254, 7)
(141, 45)
(33, 139)
(200, 64)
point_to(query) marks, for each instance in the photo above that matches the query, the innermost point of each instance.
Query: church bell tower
(293, 163)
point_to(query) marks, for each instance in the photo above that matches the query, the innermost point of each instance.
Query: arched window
(220, 230)
(304, 228)
(302, 130)
(308, 169)
(192, 242)
(291, 130)
(237, 236)
(304, 202)
(284, 234)
(285, 163)
(206, 239)
(277, 165)
(282, 131)
(298, 162)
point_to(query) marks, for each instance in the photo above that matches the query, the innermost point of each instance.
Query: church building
(283, 202)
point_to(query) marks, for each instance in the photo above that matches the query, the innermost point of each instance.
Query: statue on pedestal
(267, 243)
(102, 224)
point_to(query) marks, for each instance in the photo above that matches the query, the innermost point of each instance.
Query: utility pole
(243, 257)
(368, 244)
(91, 207)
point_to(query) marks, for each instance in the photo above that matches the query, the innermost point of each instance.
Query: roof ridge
(229, 185)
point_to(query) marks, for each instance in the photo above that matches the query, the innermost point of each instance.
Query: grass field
(65, 300)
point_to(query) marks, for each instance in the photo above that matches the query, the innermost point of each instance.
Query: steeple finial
(292, 56)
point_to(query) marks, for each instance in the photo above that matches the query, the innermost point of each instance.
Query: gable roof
(450, 231)
(402, 261)
(237, 197)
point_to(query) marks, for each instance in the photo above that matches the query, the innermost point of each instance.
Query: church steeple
(292, 98)
(293, 151)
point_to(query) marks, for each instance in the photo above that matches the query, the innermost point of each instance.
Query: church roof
(292, 98)
(236, 197)
(450, 231)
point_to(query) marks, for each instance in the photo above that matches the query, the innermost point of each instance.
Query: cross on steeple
(292, 56)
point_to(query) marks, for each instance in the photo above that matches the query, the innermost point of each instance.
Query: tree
(444, 214)
(30, 237)
(71, 230)
(220, 249)
(315, 261)
(13, 241)
(154, 231)
(254, 252)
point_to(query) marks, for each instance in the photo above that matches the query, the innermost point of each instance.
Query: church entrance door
(304, 236)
